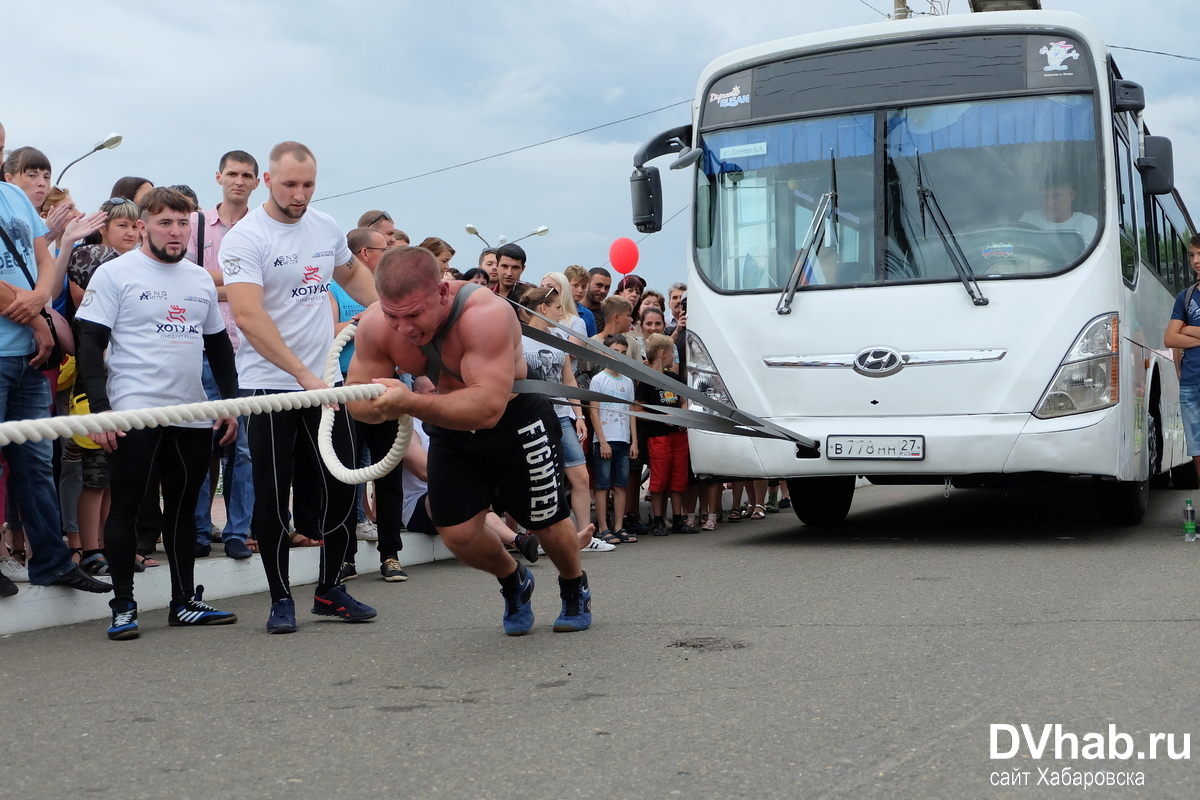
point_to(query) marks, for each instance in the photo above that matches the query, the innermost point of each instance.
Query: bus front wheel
(1125, 502)
(822, 501)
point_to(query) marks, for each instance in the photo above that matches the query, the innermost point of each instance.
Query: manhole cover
(708, 643)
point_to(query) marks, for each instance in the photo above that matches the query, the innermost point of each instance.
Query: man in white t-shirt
(278, 264)
(156, 315)
(1058, 214)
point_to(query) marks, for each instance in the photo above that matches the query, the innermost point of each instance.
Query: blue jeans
(25, 394)
(239, 482)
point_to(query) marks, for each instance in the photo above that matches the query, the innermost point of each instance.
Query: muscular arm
(1181, 336)
(246, 303)
(357, 280)
(487, 367)
(371, 360)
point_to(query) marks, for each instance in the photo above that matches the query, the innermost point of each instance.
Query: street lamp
(502, 240)
(471, 229)
(108, 143)
(542, 231)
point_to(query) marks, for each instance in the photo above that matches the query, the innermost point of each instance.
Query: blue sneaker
(237, 549)
(518, 610)
(124, 620)
(577, 605)
(197, 612)
(337, 602)
(283, 616)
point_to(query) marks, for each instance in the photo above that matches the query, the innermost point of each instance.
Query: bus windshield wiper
(826, 210)
(954, 250)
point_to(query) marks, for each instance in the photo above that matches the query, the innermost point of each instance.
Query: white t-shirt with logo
(158, 314)
(294, 264)
(614, 423)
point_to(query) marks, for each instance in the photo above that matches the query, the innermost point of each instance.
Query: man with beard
(278, 263)
(157, 316)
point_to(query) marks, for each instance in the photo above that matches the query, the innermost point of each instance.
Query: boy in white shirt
(614, 442)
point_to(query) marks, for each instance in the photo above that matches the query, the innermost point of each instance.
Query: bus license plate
(875, 448)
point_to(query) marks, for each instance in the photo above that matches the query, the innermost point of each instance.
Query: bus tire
(1125, 502)
(822, 502)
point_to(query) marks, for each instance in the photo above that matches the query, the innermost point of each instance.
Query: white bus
(943, 248)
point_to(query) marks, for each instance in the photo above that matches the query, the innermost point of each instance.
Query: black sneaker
(124, 620)
(658, 528)
(203, 550)
(7, 587)
(75, 578)
(527, 545)
(679, 525)
(635, 526)
(337, 602)
(197, 612)
(349, 572)
(392, 571)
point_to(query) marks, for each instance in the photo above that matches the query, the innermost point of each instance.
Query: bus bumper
(954, 445)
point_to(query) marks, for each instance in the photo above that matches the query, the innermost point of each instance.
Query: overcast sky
(385, 90)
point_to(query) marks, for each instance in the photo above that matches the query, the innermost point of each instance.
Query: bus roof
(918, 27)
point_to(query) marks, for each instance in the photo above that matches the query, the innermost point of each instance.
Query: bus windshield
(1016, 179)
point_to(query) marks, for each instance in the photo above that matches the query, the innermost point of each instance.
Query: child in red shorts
(668, 444)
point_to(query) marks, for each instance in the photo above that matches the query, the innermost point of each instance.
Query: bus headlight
(1089, 377)
(702, 374)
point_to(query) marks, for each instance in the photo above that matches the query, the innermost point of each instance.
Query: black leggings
(284, 455)
(389, 492)
(178, 457)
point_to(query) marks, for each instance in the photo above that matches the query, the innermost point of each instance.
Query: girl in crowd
(476, 275)
(442, 251)
(131, 188)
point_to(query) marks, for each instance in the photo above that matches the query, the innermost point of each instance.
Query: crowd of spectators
(57, 496)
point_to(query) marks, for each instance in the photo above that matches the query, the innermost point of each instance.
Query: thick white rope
(21, 431)
(325, 432)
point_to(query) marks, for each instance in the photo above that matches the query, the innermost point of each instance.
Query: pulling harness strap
(433, 350)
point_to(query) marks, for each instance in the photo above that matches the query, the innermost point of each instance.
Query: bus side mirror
(645, 185)
(1128, 96)
(1157, 166)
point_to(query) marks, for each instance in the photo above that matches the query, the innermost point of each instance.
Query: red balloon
(623, 255)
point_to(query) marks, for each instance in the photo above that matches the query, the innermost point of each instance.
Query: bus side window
(1129, 262)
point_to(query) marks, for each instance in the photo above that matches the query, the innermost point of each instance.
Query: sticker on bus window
(743, 150)
(997, 250)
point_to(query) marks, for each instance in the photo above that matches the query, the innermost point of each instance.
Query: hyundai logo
(878, 362)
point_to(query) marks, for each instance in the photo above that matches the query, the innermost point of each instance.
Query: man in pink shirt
(237, 175)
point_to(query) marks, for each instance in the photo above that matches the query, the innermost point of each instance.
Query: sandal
(300, 540)
(141, 562)
(76, 551)
(760, 512)
(625, 537)
(252, 544)
(735, 515)
(95, 564)
(710, 522)
(610, 537)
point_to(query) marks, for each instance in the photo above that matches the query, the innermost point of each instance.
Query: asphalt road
(757, 661)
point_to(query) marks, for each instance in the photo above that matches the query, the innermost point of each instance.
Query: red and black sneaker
(337, 602)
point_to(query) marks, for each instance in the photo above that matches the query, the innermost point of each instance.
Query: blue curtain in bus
(788, 143)
(1059, 118)
(1067, 118)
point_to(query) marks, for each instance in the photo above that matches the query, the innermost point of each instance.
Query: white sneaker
(13, 570)
(597, 546)
(367, 531)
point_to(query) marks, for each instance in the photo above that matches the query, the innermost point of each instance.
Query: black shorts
(515, 468)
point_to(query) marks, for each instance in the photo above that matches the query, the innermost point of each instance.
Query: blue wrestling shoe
(517, 591)
(124, 620)
(577, 605)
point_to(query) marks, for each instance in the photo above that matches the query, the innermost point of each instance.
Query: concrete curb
(37, 607)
